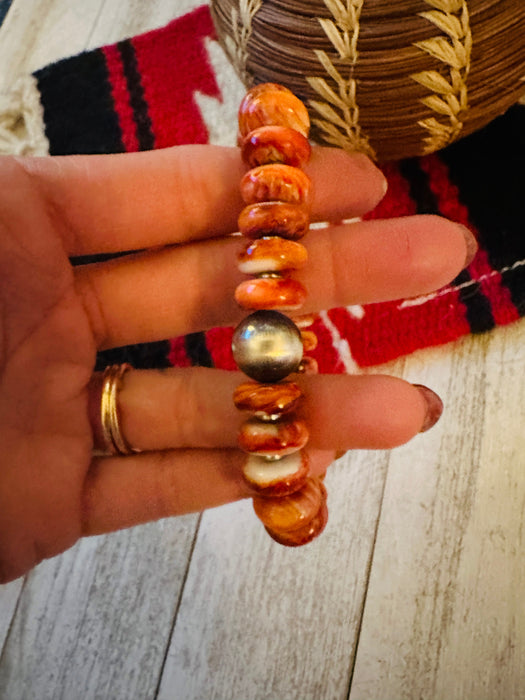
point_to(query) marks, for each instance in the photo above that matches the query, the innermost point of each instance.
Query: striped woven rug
(174, 85)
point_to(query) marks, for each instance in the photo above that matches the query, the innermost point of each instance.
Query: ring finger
(163, 410)
(177, 408)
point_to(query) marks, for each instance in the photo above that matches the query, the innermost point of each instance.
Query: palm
(177, 208)
(47, 359)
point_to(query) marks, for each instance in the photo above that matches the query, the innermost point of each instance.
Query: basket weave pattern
(390, 79)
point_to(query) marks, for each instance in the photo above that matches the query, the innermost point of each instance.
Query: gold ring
(109, 411)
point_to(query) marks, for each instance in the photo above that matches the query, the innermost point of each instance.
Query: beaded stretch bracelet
(267, 345)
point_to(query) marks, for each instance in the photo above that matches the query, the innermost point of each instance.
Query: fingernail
(471, 243)
(434, 407)
(385, 185)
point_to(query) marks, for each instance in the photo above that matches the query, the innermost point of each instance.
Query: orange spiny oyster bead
(269, 104)
(309, 340)
(308, 366)
(271, 254)
(275, 182)
(273, 438)
(275, 144)
(267, 399)
(276, 478)
(294, 511)
(283, 219)
(305, 320)
(305, 534)
(270, 293)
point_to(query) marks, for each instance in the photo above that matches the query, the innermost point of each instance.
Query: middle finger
(180, 290)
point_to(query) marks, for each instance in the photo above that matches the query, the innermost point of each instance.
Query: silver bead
(267, 346)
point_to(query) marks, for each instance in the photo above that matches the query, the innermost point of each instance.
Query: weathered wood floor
(414, 591)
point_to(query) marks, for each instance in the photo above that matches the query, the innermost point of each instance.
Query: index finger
(131, 201)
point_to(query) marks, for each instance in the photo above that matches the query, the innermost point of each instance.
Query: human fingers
(121, 492)
(159, 410)
(193, 408)
(179, 290)
(111, 203)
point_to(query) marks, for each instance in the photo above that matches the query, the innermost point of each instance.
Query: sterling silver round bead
(267, 346)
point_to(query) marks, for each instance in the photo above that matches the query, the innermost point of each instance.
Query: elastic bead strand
(268, 346)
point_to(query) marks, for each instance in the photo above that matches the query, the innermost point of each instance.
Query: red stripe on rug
(178, 356)
(356, 331)
(219, 344)
(120, 94)
(326, 353)
(490, 281)
(390, 330)
(173, 63)
(397, 201)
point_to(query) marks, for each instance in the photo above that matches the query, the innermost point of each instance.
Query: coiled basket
(391, 78)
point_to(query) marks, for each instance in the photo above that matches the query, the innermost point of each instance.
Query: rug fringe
(22, 129)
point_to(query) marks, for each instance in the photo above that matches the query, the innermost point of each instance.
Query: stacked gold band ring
(109, 411)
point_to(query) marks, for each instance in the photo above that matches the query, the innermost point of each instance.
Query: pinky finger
(121, 492)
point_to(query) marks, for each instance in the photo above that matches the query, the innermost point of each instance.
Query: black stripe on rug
(197, 350)
(136, 93)
(79, 114)
(488, 170)
(478, 311)
(140, 356)
(4, 6)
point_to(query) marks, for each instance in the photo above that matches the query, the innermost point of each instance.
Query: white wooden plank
(95, 622)
(444, 616)
(9, 594)
(258, 620)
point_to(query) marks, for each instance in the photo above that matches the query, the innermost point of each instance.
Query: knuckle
(90, 299)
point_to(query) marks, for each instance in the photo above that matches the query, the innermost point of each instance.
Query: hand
(177, 207)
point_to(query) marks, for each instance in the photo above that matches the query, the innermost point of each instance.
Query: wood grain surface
(413, 591)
